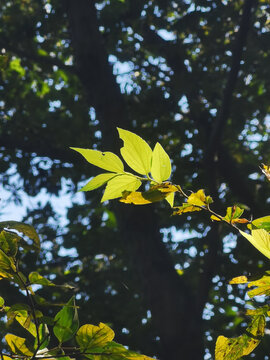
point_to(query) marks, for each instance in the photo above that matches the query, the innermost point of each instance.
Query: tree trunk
(173, 308)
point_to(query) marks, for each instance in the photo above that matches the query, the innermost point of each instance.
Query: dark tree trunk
(173, 308)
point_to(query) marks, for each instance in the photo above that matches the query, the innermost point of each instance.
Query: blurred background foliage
(193, 75)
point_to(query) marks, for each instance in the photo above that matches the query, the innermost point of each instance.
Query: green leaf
(115, 351)
(91, 336)
(36, 278)
(262, 286)
(15, 65)
(7, 266)
(18, 345)
(235, 348)
(98, 181)
(262, 223)
(2, 301)
(26, 229)
(24, 319)
(104, 160)
(136, 152)
(232, 216)
(260, 239)
(44, 337)
(161, 164)
(67, 322)
(9, 242)
(118, 185)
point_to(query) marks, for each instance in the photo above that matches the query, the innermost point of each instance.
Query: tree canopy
(191, 75)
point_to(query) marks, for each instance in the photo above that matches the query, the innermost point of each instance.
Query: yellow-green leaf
(234, 348)
(118, 185)
(239, 280)
(154, 194)
(161, 164)
(91, 336)
(186, 208)
(23, 318)
(36, 278)
(262, 286)
(119, 352)
(262, 223)
(66, 321)
(170, 199)
(18, 345)
(199, 198)
(98, 181)
(9, 242)
(104, 160)
(7, 266)
(7, 358)
(26, 229)
(136, 152)
(260, 239)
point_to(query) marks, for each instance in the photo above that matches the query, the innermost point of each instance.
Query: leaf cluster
(40, 332)
(156, 168)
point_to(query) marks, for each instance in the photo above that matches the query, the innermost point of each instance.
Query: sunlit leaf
(36, 278)
(117, 351)
(44, 337)
(7, 266)
(118, 185)
(170, 199)
(239, 280)
(15, 65)
(104, 160)
(260, 239)
(91, 336)
(136, 152)
(2, 301)
(98, 181)
(235, 348)
(154, 194)
(18, 345)
(5, 357)
(186, 208)
(261, 223)
(266, 170)
(232, 216)
(195, 202)
(262, 286)
(199, 198)
(24, 319)
(26, 229)
(161, 164)
(66, 322)
(9, 242)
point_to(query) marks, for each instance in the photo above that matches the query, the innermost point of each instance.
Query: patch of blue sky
(123, 72)
(229, 243)
(178, 235)
(166, 35)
